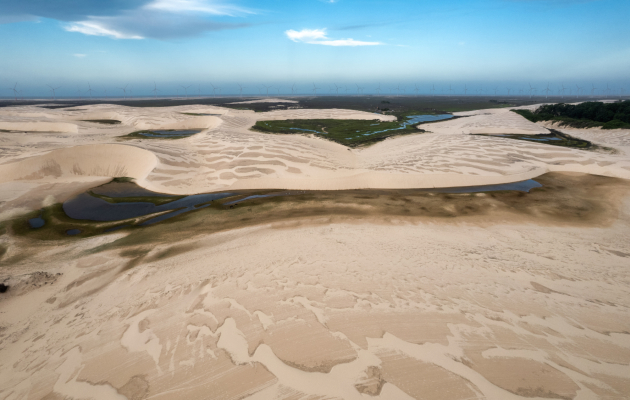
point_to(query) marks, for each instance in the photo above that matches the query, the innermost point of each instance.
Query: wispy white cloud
(306, 35)
(98, 28)
(78, 55)
(197, 6)
(130, 19)
(318, 36)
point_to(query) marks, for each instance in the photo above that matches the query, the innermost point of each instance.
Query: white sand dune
(188, 123)
(109, 160)
(492, 121)
(29, 126)
(331, 311)
(228, 155)
(383, 308)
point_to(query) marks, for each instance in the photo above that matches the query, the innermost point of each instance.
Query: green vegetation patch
(351, 133)
(585, 115)
(161, 134)
(555, 138)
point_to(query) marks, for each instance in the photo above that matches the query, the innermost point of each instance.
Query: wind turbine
(578, 91)
(53, 91)
(496, 89)
(14, 90)
(155, 89)
(416, 89)
(450, 89)
(547, 90)
(90, 90)
(315, 88)
(359, 89)
(432, 90)
(267, 88)
(563, 89)
(185, 89)
(531, 89)
(214, 89)
(293, 89)
(240, 89)
(465, 89)
(124, 89)
(336, 89)
(79, 91)
(607, 90)
(593, 90)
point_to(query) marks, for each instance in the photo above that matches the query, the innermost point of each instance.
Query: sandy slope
(395, 310)
(388, 308)
(227, 155)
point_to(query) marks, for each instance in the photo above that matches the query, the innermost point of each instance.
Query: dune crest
(109, 160)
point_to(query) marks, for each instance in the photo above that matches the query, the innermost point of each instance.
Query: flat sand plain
(382, 292)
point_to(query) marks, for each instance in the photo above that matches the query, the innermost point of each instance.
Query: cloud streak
(318, 36)
(129, 19)
(197, 6)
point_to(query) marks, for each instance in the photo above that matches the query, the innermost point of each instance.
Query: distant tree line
(585, 115)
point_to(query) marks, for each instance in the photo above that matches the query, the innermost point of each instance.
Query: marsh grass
(149, 134)
(351, 133)
(561, 139)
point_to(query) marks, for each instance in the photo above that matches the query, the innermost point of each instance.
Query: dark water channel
(414, 120)
(118, 201)
(36, 222)
(86, 206)
(169, 133)
(522, 186)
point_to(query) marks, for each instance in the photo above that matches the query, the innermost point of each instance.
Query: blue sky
(477, 43)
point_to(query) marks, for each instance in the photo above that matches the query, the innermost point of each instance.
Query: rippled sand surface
(356, 294)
